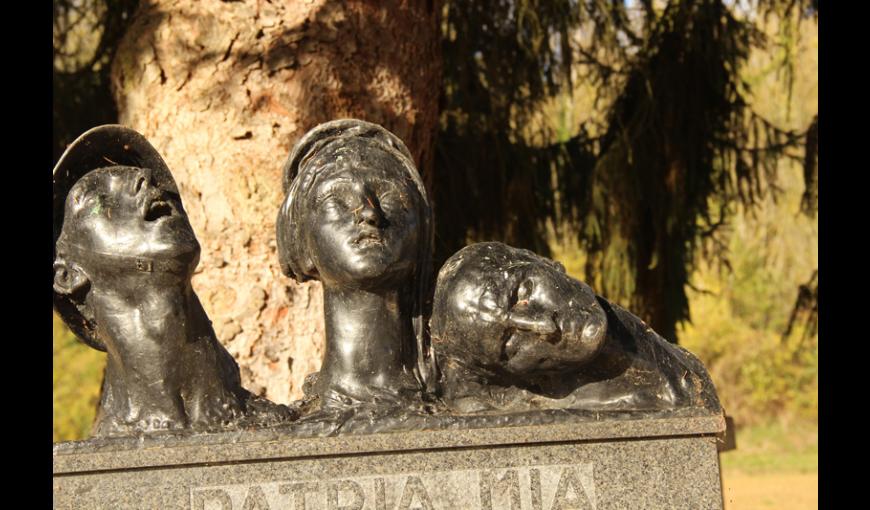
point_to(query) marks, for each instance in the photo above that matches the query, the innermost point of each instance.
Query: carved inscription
(554, 487)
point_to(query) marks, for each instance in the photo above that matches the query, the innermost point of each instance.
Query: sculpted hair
(488, 258)
(305, 163)
(479, 259)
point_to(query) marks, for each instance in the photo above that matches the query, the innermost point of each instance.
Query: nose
(142, 178)
(370, 214)
(540, 323)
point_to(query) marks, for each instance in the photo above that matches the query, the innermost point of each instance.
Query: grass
(78, 371)
(778, 447)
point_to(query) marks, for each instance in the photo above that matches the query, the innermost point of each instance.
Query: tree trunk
(223, 89)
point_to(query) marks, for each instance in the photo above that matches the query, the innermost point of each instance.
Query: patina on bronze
(124, 256)
(513, 332)
(356, 217)
(514, 340)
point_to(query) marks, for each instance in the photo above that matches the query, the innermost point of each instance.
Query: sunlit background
(752, 285)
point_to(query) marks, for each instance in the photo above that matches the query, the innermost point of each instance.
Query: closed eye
(393, 199)
(329, 200)
(521, 293)
(332, 192)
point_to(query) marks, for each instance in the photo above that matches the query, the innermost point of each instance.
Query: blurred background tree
(642, 174)
(86, 35)
(661, 149)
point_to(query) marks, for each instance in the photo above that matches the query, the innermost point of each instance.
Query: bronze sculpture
(505, 337)
(356, 217)
(124, 256)
(513, 332)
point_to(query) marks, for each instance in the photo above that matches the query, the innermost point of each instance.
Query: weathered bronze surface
(504, 337)
(513, 340)
(124, 256)
(513, 332)
(357, 218)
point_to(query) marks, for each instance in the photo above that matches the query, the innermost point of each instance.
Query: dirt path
(771, 491)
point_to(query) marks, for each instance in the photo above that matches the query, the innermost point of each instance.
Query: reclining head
(505, 311)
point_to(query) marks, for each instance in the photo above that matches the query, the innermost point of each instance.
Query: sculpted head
(119, 224)
(509, 311)
(356, 216)
(124, 255)
(355, 212)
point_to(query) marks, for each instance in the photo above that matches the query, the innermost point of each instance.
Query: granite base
(660, 463)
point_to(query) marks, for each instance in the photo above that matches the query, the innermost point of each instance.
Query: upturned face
(521, 315)
(363, 222)
(123, 211)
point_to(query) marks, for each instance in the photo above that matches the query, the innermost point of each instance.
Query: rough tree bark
(223, 89)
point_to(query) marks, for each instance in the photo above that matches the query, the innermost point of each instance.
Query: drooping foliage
(642, 183)
(85, 36)
(806, 307)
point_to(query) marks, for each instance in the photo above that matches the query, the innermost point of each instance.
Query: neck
(147, 314)
(369, 339)
(164, 364)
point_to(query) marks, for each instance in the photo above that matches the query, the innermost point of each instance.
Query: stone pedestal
(619, 464)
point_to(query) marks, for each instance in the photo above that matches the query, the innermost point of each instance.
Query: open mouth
(158, 209)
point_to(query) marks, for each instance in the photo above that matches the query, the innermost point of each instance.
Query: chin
(377, 273)
(371, 276)
(185, 251)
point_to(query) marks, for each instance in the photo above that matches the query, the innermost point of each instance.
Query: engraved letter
(414, 486)
(561, 501)
(298, 491)
(333, 489)
(380, 494)
(535, 487)
(509, 481)
(256, 500)
(201, 496)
